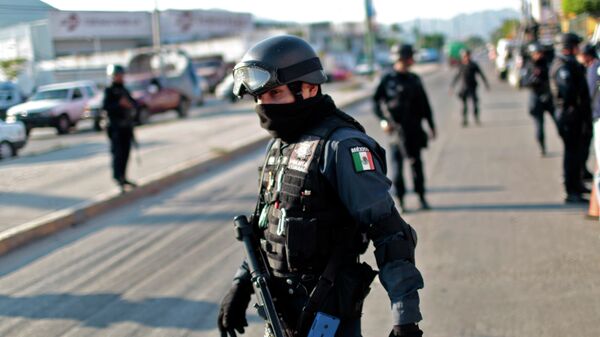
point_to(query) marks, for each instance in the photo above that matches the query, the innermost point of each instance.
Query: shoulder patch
(362, 159)
(303, 154)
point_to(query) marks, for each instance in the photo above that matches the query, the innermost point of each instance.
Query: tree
(11, 68)
(507, 30)
(580, 6)
(433, 41)
(474, 42)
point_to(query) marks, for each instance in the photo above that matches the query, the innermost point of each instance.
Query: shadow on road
(105, 309)
(464, 189)
(36, 200)
(523, 207)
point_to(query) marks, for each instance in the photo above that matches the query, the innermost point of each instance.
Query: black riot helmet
(535, 47)
(569, 40)
(277, 61)
(114, 69)
(590, 50)
(402, 51)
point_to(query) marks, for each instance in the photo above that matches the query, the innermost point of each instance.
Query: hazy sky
(388, 11)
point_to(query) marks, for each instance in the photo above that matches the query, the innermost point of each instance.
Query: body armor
(301, 215)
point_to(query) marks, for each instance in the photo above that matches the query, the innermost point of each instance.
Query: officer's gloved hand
(232, 315)
(406, 330)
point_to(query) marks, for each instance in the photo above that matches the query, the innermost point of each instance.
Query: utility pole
(370, 36)
(156, 37)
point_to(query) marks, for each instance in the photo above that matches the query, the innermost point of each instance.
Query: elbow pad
(393, 239)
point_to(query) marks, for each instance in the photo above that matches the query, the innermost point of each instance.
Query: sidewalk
(44, 193)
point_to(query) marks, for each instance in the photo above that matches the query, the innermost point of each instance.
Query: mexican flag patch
(362, 158)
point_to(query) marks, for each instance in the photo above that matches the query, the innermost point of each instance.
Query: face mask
(290, 121)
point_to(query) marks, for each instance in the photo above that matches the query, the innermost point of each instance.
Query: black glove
(406, 330)
(232, 315)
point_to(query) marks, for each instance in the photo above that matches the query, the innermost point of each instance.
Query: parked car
(153, 98)
(10, 95)
(94, 110)
(213, 70)
(56, 105)
(12, 138)
(224, 90)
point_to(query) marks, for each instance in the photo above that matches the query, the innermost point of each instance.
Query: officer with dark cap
(589, 57)
(467, 75)
(323, 196)
(405, 106)
(572, 112)
(120, 108)
(540, 99)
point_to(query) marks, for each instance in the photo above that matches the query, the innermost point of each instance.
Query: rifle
(260, 275)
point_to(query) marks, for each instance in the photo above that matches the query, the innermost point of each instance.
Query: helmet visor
(251, 79)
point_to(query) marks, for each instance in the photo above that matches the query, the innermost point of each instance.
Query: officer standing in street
(589, 58)
(592, 63)
(120, 108)
(405, 107)
(323, 195)
(467, 75)
(573, 112)
(540, 99)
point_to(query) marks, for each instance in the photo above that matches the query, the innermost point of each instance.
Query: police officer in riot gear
(589, 58)
(467, 75)
(120, 108)
(572, 112)
(405, 107)
(323, 196)
(540, 99)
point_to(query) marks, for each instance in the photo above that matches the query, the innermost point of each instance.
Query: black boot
(424, 203)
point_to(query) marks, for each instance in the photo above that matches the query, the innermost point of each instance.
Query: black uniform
(540, 98)
(326, 189)
(406, 106)
(573, 116)
(467, 74)
(120, 129)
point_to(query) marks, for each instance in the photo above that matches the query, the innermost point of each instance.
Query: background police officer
(573, 115)
(467, 75)
(323, 195)
(120, 108)
(540, 99)
(592, 63)
(406, 106)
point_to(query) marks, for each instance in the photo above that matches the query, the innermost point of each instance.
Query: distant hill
(13, 12)
(463, 25)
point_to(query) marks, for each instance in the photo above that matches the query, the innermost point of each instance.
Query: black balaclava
(290, 121)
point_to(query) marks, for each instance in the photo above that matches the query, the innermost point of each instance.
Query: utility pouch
(351, 287)
(301, 242)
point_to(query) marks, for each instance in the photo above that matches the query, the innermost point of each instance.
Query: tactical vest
(301, 215)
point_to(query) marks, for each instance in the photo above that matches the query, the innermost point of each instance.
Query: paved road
(501, 254)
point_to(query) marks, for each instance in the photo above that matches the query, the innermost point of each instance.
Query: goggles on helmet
(256, 78)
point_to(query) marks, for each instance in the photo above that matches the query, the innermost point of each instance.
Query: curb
(54, 222)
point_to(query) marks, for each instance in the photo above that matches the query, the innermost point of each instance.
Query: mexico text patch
(362, 158)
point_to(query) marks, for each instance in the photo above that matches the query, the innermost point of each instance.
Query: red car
(154, 98)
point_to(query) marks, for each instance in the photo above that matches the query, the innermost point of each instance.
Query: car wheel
(6, 150)
(143, 116)
(183, 107)
(63, 124)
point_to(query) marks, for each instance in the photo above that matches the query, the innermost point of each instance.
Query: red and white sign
(66, 25)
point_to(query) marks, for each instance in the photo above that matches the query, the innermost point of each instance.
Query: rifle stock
(260, 275)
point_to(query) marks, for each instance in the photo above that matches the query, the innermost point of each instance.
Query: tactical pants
(571, 134)
(538, 105)
(465, 95)
(414, 156)
(120, 146)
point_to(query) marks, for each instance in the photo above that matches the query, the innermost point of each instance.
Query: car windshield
(137, 86)
(5, 94)
(50, 94)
